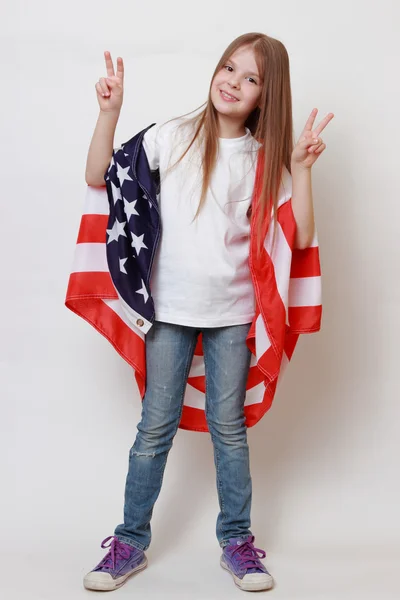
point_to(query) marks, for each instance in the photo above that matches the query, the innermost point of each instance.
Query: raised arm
(110, 91)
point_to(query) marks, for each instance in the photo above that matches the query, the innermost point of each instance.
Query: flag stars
(143, 291)
(130, 208)
(116, 193)
(122, 262)
(137, 243)
(123, 174)
(116, 230)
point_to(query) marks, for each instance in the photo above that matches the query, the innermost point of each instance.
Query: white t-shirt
(201, 275)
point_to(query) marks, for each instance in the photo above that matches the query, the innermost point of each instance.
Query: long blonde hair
(271, 125)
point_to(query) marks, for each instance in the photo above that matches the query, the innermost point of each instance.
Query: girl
(201, 281)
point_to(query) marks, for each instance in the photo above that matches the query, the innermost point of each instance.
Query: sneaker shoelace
(117, 550)
(248, 556)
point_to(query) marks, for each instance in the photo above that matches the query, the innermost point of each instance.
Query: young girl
(201, 282)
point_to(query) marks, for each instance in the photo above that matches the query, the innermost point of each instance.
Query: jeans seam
(219, 480)
(215, 446)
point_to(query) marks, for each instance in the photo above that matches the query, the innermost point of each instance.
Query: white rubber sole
(254, 582)
(96, 580)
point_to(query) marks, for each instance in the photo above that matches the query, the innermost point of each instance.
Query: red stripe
(305, 263)
(291, 340)
(271, 307)
(305, 319)
(141, 383)
(270, 363)
(269, 303)
(92, 229)
(193, 419)
(90, 285)
(254, 412)
(198, 351)
(199, 383)
(251, 336)
(254, 378)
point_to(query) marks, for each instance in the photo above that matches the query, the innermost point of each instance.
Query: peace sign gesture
(110, 89)
(310, 146)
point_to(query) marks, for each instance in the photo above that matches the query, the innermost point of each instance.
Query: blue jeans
(169, 354)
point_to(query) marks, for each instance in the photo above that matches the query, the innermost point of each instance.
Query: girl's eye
(229, 68)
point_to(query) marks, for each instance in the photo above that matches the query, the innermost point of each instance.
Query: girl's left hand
(310, 146)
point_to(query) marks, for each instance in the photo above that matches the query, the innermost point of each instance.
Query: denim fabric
(169, 354)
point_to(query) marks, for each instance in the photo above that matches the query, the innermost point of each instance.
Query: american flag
(109, 282)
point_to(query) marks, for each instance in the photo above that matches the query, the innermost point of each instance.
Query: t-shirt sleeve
(151, 144)
(160, 142)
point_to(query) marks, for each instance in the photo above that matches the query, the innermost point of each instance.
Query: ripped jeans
(169, 354)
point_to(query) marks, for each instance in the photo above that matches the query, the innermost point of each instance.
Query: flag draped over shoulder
(287, 284)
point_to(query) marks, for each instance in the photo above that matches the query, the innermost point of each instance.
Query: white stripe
(281, 257)
(194, 398)
(197, 368)
(255, 394)
(116, 306)
(96, 201)
(90, 257)
(134, 316)
(262, 339)
(305, 291)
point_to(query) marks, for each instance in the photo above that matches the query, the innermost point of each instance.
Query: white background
(326, 489)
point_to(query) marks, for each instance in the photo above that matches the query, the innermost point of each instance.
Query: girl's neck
(228, 128)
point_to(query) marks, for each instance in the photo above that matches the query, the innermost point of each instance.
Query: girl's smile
(228, 97)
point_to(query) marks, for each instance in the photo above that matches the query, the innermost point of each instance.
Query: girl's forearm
(302, 205)
(101, 148)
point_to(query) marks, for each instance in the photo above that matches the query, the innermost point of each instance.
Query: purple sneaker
(120, 562)
(242, 560)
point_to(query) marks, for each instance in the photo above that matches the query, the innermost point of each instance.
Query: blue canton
(134, 227)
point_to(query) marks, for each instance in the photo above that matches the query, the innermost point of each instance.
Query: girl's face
(236, 88)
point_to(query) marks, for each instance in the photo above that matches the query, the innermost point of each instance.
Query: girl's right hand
(110, 89)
